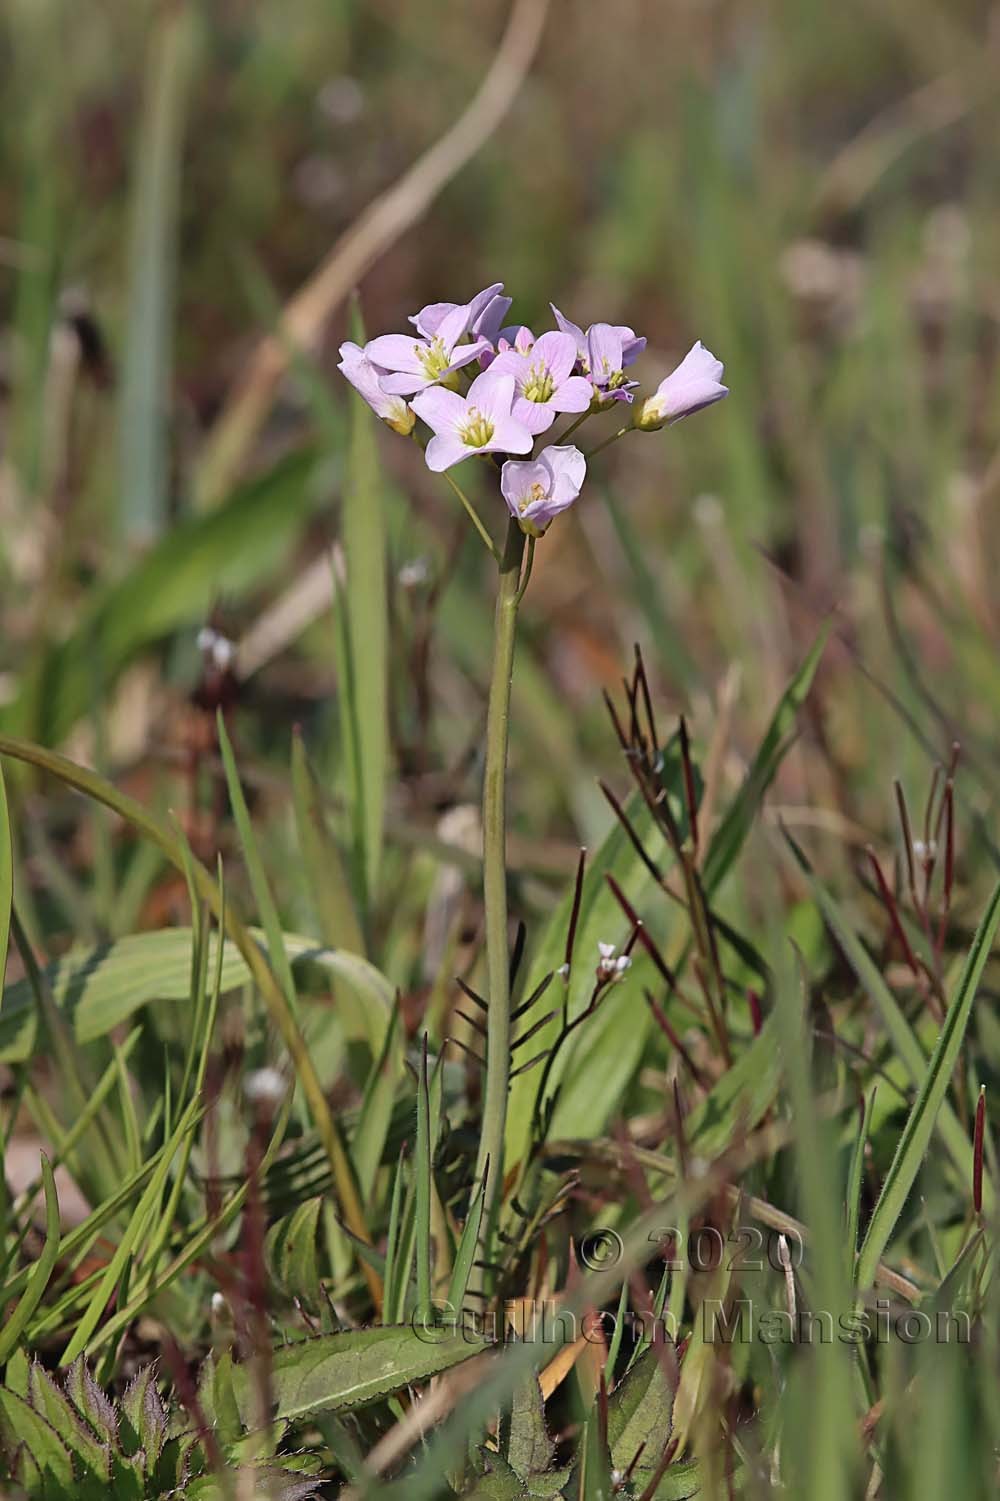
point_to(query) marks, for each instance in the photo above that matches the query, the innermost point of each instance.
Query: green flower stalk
(491, 1140)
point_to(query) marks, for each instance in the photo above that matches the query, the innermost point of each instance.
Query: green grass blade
(328, 883)
(465, 1253)
(729, 837)
(147, 365)
(6, 879)
(42, 1270)
(920, 1123)
(255, 868)
(854, 1181)
(422, 1169)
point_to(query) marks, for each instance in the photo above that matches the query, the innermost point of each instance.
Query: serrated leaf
(35, 1451)
(89, 1455)
(337, 1371)
(142, 1408)
(528, 1448)
(640, 1416)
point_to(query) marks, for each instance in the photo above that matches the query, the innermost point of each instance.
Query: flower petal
(517, 479)
(492, 393)
(568, 469)
(604, 345)
(557, 352)
(487, 325)
(446, 449)
(444, 411)
(536, 416)
(574, 395)
(576, 333)
(397, 352)
(511, 436)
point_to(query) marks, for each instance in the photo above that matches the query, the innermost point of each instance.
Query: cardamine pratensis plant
(490, 390)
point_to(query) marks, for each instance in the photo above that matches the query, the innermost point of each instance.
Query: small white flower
(922, 851)
(563, 971)
(266, 1086)
(217, 648)
(611, 965)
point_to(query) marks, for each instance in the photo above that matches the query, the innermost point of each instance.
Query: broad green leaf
(920, 1123)
(96, 989)
(367, 632)
(175, 585)
(292, 1252)
(337, 1371)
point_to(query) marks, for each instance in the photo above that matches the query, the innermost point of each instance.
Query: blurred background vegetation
(809, 189)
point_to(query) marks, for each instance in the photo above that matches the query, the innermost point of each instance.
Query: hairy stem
(495, 875)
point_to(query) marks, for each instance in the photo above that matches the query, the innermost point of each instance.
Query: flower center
(477, 430)
(534, 495)
(539, 385)
(434, 357)
(616, 380)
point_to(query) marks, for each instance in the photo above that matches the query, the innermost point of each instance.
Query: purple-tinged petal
(573, 395)
(517, 336)
(444, 450)
(575, 332)
(632, 346)
(466, 353)
(454, 326)
(569, 470)
(537, 491)
(604, 347)
(536, 416)
(487, 325)
(696, 383)
(444, 411)
(397, 352)
(517, 480)
(430, 318)
(557, 353)
(510, 436)
(365, 378)
(510, 362)
(401, 384)
(478, 305)
(492, 393)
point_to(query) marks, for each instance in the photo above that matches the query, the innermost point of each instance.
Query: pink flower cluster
(485, 387)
